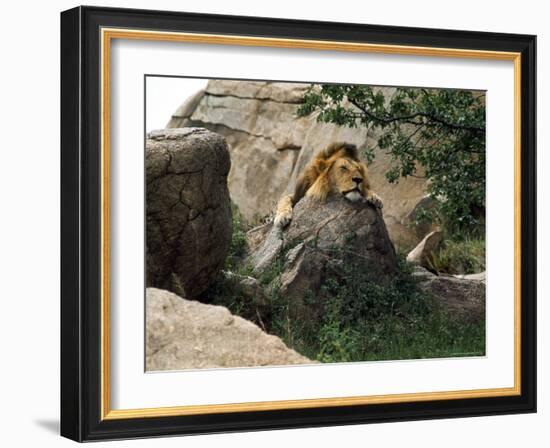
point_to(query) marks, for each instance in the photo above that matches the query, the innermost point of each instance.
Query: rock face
(479, 276)
(188, 209)
(422, 254)
(260, 125)
(319, 238)
(184, 334)
(270, 145)
(464, 298)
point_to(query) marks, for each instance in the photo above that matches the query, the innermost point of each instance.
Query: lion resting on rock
(337, 170)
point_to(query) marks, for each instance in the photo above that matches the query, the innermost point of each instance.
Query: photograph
(274, 223)
(302, 223)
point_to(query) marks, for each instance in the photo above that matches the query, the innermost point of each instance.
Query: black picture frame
(81, 224)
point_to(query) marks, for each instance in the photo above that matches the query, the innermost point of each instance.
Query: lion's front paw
(282, 220)
(375, 200)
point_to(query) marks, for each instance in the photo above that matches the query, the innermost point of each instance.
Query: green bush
(466, 256)
(358, 318)
(365, 321)
(225, 290)
(237, 247)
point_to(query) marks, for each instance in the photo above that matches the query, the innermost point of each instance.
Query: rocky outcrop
(184, 334)
(321, 237)
(423, 253)
(478, 276)
(260, 125)
(270, 145)
(188, 210)
(463, 298)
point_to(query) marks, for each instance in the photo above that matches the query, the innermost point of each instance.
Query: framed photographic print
(273, 223)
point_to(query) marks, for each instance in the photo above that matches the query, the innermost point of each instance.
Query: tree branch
(409, 118)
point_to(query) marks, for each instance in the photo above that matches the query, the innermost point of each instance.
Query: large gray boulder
(188, 209)
(270, 145)
(463, 298)
(185, 334)
(320, 238)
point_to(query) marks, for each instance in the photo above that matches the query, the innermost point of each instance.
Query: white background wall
(165, 95)
(29, 229)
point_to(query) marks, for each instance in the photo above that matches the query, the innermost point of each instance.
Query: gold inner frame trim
(107, 35)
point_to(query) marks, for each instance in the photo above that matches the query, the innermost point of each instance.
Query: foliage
(237, 246)
(359, 319)
(226, 290)
(434, 133)
(465, 256)
(364, 320)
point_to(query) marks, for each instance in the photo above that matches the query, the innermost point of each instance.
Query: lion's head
(337, 170)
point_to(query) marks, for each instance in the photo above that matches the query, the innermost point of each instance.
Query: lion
(337, 170)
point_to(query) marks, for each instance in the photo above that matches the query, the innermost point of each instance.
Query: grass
(433, 335)
(460, 256)
(364, 321)
(463, 249)
(354, 317)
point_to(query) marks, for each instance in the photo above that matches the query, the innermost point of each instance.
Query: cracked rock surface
(185, 334)
(320, 236)
(188, 210)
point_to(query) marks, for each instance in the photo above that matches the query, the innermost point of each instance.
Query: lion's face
(348, 177)
(335, 171)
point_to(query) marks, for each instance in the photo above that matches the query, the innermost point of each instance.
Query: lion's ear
(351, 151)
(339, 149)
